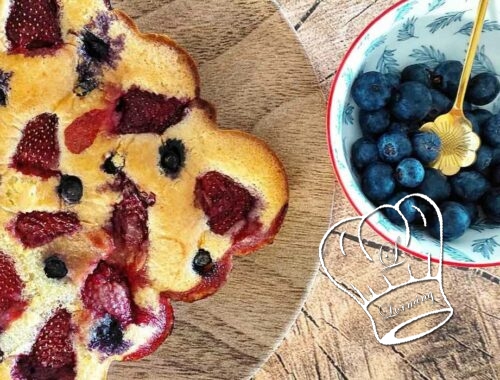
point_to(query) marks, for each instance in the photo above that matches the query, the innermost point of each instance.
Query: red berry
(145, 112)
(224, 201)
(106, 291)
(11, 286)
(130, 219)
(38, 151)
(52, 356)
(33, 26)
(81, 134)
(38, 228)
(53, 347)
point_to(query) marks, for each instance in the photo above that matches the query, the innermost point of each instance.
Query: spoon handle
(471, 54)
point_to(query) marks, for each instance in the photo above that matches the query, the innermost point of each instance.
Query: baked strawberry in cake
(119, 193)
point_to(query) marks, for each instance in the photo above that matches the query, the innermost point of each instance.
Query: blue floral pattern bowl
(414, 31)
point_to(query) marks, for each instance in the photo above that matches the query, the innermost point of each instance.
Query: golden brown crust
(163, 39)
(205, 106)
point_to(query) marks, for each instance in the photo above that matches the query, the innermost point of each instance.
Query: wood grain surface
(332, 338)
(255, 71)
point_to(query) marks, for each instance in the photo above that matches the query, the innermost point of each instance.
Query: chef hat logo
(397, 325)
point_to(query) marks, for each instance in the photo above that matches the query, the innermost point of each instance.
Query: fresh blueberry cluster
(393, 156)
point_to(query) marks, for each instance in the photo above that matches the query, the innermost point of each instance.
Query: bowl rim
(334, 162)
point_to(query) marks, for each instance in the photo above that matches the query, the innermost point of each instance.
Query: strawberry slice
(33, 26)
(11, 301)
(82, 133)
(129, 222)
(52, 356)
(145, 112)
(106, 291)
(38, 151)
(38, 228)
(224, 201)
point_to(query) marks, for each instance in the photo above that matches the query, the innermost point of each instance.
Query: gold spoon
(459, 144)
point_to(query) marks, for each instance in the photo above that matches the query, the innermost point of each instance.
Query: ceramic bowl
(413, 31)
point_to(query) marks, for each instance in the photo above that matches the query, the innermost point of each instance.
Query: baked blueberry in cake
(119, 193)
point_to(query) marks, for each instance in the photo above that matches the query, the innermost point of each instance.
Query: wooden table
(329, 339)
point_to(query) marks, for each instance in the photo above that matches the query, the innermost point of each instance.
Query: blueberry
(473, 210)
(495, 160)
(378, 183)
(494, 176)
(172, 157)
(417, 73)
(423, 206)
(410, 173)
(403, 127)
(411, 101)
(393, 79)
(107, 336)
(469, 186)
(456, 220)
(374, 122)
(109, 166)
(491, 131)
(407, 208)
(483, 89)
(435, 186)
(202, 262)
(476, 127)
(113, 164)
(446, 77)
(441, 104)
(427, 146)
(364, 152)
(70, 189)
(481, 115)
(95, 47)
(484, 158)
(4, 86)
(88, 77)
(491, 204)
(371, 91)
(55, 268)
(394, 147)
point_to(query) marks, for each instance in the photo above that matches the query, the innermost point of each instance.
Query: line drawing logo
(389, 311)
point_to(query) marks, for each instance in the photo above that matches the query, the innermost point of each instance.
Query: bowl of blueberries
(401, 72)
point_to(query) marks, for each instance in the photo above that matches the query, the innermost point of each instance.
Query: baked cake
(118, 193)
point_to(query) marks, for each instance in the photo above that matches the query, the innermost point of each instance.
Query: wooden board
(256, 73)
(331, 338)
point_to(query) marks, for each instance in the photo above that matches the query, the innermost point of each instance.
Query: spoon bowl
(459, 143)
